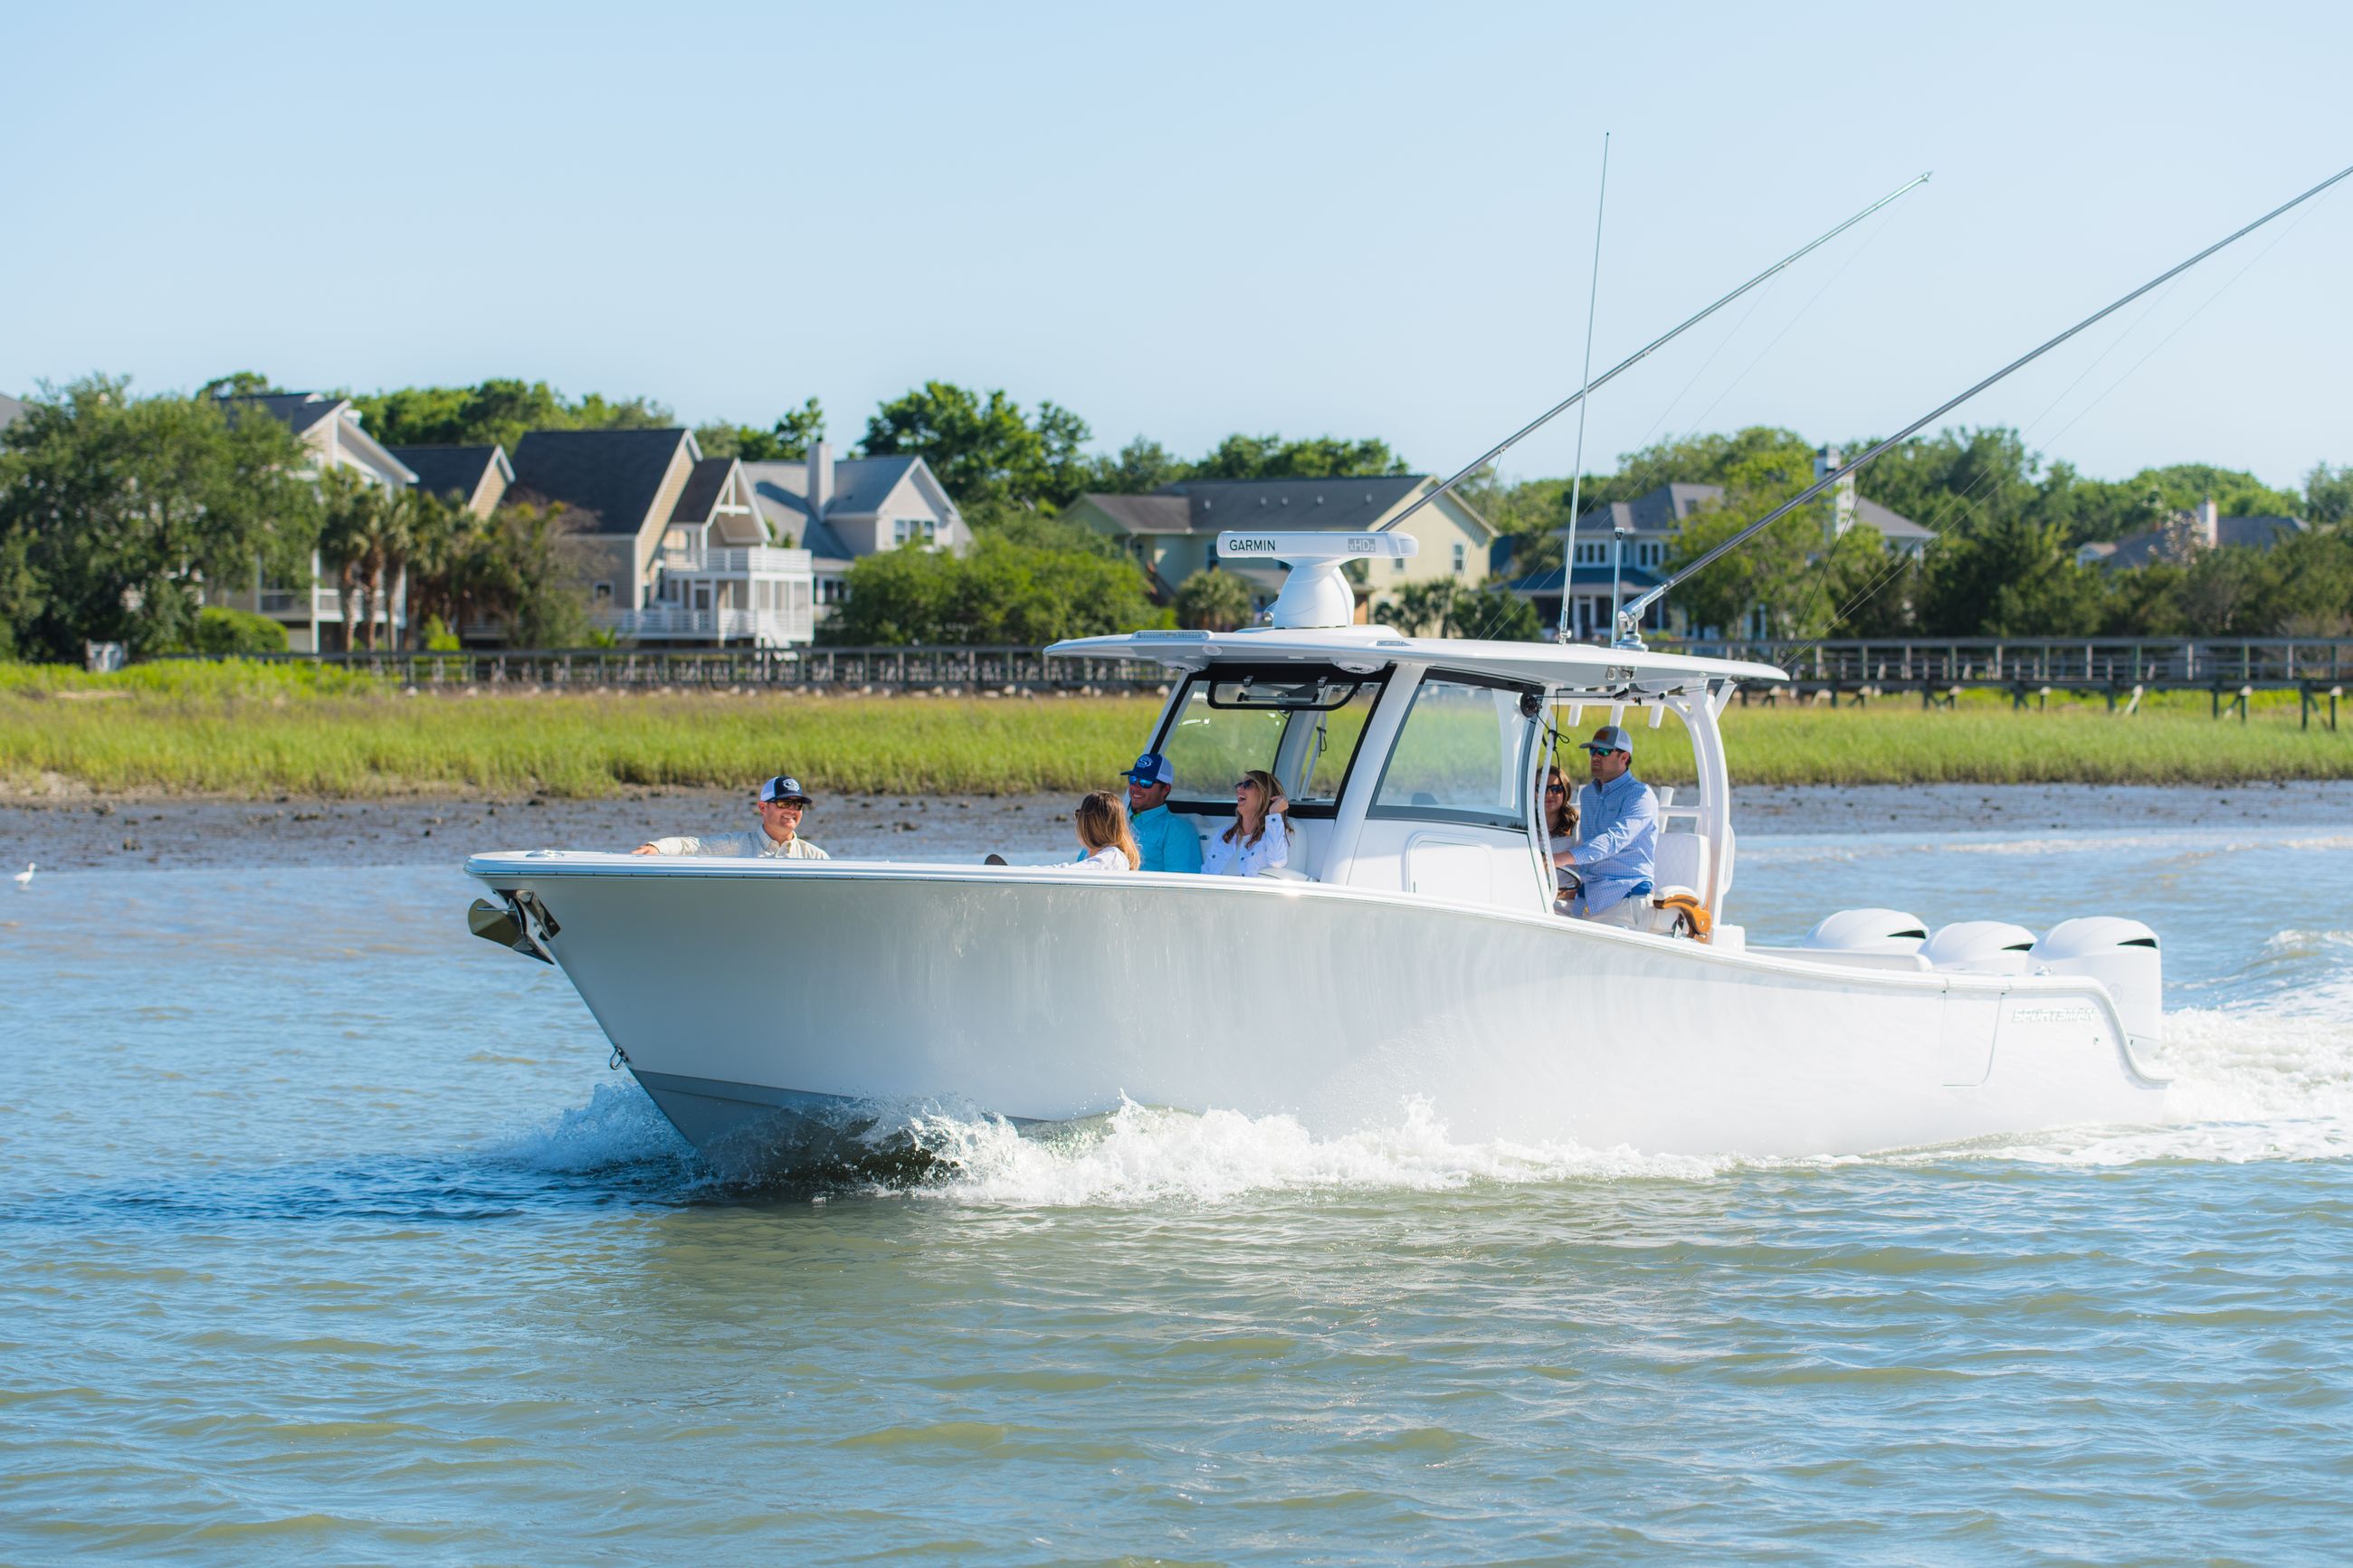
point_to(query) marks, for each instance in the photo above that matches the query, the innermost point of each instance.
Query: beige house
(1173, 532)
(312, 612)
(676, 550)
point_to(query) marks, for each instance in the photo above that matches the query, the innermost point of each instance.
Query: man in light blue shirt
(1165, 840)
(1617, 836)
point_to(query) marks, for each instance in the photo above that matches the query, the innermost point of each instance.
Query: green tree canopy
(499, 410)
(1000, 591)
(240, 384)
(1215, 601)
(2328, 494)
(115, 511)
(1269, 457)
(1139, 467)
(982, 446)
(787, 441)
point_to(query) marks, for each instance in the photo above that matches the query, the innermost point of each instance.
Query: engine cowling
(1869, 931)
(2119, 953)
(1981, 947)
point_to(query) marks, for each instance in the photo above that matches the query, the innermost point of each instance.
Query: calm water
(327, 1235)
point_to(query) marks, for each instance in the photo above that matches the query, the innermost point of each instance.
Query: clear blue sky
(1353, 219)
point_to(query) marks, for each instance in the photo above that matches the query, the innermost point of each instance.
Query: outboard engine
(1869, 931)
(2120, 954)
(1981, 947)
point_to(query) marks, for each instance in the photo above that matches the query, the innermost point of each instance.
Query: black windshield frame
(1371, 686)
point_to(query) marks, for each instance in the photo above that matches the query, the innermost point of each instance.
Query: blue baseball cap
(784, 786)
(1150, 769)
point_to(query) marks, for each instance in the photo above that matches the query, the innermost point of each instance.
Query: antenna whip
(1576, 471)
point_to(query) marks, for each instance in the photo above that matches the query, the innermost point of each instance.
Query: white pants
(1633, 912)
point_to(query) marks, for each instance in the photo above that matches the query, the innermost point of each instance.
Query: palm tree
(347, 505)
(443, 536)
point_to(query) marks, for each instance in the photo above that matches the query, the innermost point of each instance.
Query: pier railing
(853, 669)
(2100, 663)
(1910, 663)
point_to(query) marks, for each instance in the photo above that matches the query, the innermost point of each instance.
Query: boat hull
(747, 993)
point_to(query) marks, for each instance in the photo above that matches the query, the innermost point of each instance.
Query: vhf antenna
(1576, 473)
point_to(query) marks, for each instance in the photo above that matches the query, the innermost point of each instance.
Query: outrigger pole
(1576, 469)
(1629, 619)
(1574, 398)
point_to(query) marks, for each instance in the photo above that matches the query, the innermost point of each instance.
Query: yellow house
(1173, 532)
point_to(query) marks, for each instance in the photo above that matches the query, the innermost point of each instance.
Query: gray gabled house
(842, 509)
(2188, 533)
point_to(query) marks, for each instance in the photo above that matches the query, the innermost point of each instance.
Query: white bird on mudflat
(24, 877)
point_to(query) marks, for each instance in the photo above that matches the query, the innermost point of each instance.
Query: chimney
(820, 477)
(2210, 525)
(1842, 495)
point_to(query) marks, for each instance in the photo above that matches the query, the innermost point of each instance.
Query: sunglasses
(1241, 784)
(1555, 789)
(793, 805)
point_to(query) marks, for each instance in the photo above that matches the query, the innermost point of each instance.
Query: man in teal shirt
(1165, 840)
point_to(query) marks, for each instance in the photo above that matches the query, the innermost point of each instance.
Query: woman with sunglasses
(1560, 827)
(1257, 839)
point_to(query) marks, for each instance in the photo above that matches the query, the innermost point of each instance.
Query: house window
(1398, 565)
(1459, 560)
(602, 593)
(931, 530)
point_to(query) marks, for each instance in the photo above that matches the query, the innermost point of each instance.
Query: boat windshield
(1462, 756)
(1300, 723)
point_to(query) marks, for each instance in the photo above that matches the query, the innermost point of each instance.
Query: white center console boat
(1412, 948)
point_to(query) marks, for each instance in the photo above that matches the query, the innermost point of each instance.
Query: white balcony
(741, 561)
(661, 623)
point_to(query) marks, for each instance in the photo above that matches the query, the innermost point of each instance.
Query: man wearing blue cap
(780, 804)
(1617, 844)
(1165, 840)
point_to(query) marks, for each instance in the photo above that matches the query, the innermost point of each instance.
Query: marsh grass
(243, 730)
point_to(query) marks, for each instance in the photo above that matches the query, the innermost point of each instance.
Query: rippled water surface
(328, 1236)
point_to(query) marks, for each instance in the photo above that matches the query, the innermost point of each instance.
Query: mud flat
(170, 831)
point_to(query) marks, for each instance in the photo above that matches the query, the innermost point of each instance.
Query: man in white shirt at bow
(780, 804)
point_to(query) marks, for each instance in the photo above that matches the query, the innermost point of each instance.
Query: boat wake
(2265, 1075)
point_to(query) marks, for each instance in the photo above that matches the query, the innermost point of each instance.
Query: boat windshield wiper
(1645, 351)
(1629, 617)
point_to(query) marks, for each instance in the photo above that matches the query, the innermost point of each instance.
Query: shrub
(225, 631)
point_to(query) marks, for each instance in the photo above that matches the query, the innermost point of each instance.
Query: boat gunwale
(515, 866)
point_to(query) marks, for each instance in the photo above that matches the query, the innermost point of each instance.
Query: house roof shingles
(614, 475)
(297, 410)
(861, 486)
(441, 470)
(2249, 532)
(1345, 505)
(703, 486)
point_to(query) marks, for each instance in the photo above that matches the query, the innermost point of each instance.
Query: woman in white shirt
(1257, 839)
(1104, 835)
(1560, 831)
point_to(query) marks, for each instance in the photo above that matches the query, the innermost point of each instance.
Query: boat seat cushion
(1680, 865)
